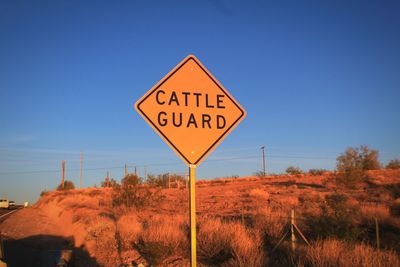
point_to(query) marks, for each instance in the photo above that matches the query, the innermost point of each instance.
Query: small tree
(259, 174)
(43, 193)
(393, 164)
(110, 183)
(163, 180)
(353, 163)
(132, 194)
(360, 158)
(316, 172)
(338, 219)
(68, 185)
(160, 180)
(293, 170)
(131, 180)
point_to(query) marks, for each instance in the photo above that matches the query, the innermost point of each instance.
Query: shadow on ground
(44, 251)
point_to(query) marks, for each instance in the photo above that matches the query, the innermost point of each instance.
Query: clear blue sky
(314, 77)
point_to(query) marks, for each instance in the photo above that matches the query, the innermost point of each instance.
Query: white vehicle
(4, 204)
(11, 204)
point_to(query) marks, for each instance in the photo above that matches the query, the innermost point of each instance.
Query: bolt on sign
(190, 110)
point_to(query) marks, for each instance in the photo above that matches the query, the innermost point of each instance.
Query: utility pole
(263, 154)
(62, 174)
(145, 173)
(80, 176)
(135, 171)
(126, 170)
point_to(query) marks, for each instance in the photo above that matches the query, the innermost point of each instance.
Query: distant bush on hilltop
(110, 183)
(316, 172)
(68, 185)
(294, 170)
(353, 163)
(132, 194)
(393, 164)
(131, 180)
(260, 174)
(43, 193)
(165, 179)
(360, 158)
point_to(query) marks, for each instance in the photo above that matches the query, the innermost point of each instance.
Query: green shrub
(163, 238)
(353, 163)
(165, 179)
(360, 158)
(43, 193)
(316, 172)
(109, 183)
(131, 180)
(395, 208)
(294, 170)
(259, 174)
(132, 194)
(333, 252)
(338, 219)
(393, 164)
(68, 185)
(156, 252)
(229, 244)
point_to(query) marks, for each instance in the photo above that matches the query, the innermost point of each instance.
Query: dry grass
(384, 176)
(271, 222)
(81, 201)
(229, 244)
(372, 211)
(332, 253)
(259, 194)
(289, 201)
(247, 247)
(163, 238)
(395, 208)
(213, 241)
(102, 242)
(129, 229)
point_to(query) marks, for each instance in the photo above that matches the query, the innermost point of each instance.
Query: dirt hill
(240, 221)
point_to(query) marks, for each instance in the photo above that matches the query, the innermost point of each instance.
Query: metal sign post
(192, 207)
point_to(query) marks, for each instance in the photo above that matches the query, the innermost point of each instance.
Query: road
(5, 213)
(35, 251)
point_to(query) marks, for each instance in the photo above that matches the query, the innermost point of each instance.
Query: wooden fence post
(293, 227)
(292, 230)
(377, 233)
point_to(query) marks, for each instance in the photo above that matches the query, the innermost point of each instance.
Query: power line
(166, 164)
(58, 171)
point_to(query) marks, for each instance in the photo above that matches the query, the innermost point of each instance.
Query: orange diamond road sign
(190, 110)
